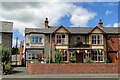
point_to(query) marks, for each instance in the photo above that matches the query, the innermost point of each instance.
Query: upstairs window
(35, 39)
(78, 39)
(60, 39)
(97, 39)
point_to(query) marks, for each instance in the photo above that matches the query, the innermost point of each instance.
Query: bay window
(97, 39)
(30, 54)
(98, 56)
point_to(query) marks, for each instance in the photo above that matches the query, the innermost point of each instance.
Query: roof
(72, 30)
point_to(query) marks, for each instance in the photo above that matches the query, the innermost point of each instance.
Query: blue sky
(77, 14)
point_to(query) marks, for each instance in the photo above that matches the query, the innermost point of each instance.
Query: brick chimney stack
(100, 23)
(46, 23)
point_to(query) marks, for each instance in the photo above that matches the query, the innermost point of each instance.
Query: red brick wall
(72, 68)
(113, 44)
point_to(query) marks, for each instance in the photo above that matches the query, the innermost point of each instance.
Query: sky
(69, 14)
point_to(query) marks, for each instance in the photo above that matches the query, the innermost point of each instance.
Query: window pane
(32, 39)
(93, 39)
(63, 41)
(100, 58)
(78, 39)
(99, 39)
(63, 36)
(64, 56)
(36, 39)
(40, 39)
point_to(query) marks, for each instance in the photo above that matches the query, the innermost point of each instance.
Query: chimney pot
(100, 23)
(46, 22)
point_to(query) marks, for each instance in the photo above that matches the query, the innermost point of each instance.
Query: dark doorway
(79, 57)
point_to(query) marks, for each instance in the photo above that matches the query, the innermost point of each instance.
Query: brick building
(79, 42)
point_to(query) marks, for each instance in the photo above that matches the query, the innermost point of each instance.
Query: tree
(5, 57)
(6, 54)
(14, 51)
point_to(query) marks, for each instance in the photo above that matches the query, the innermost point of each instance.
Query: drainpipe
(50, 52)
(106, 46)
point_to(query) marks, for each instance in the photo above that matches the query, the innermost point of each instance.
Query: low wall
(72, 68)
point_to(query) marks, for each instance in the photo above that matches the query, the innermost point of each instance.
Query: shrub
(5, 57)
(49, 59)
(6, 54)
(88, 60)
(73, 59)
(7, 69)
(58, 57)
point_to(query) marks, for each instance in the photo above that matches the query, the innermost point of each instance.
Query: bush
(49, 59)
(7, 69)
(73, 59)
(5, 57)
(6, 54)
(108, 60)
(58, 58)
(88, 60)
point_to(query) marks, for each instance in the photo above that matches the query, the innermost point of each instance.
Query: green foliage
(14, 51)
(58, 57)
(73, 59)
(6, 54)
(5, 57)
(49, 59)
(108, 60)
(7, 69)
(88, 60)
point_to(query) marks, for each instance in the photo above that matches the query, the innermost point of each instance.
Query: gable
(61, 30)
(97, 30)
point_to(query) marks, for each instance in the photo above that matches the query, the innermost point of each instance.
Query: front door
(79, 57)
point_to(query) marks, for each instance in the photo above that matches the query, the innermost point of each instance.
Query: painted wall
(73, 39)
(34, 45)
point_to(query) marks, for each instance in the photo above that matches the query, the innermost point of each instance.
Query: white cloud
(108, 12)
(14, 42)
(111, 4)
(116, 25)
(80, 17)
(108, 25)
(33, 14)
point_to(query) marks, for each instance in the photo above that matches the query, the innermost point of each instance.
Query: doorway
(79, 57)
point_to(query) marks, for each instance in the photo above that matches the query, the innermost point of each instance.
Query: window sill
(97, 44)
(36, 43)
(62, 44)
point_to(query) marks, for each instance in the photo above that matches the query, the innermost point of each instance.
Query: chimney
(100, 23)
(46, 23)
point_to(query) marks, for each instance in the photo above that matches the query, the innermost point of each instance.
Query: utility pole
(50, 52)
(16, 48)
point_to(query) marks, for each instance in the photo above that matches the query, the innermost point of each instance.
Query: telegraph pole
(16, 48)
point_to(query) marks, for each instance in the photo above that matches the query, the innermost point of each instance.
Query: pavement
(21, 72)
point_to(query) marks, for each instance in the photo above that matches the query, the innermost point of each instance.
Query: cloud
(116, 25)
(108, 12)
(108, 25)
(14, 43)
(111, 4)
(80, 17)
(32, 14)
